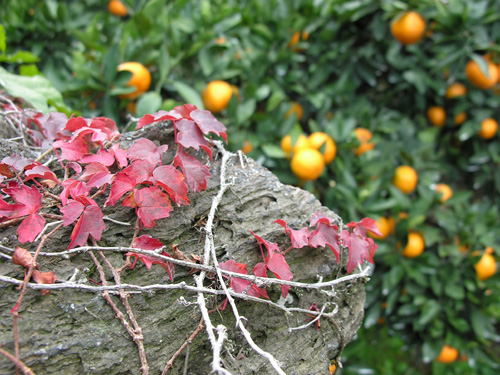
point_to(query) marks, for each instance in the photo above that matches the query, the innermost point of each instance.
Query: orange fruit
(363, 135)
(216, 96)
(436, 115)
(322, 141)
(332, 369)
(487, 266)
(445, 192)
(460, 118)
(489, 128)
(117, 8)
(455, 90)
(461, 248)
(141, 78)
(294, 39)
(220, 40)
(302, 142)
(405, 178)
(448, 354)
(409, 28)
(247, 147)
(308, 164)
(296, 109)
(476, 76)
(415, 245)
(385, 225)
(131, 107)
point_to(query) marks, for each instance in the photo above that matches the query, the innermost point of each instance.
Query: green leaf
(148, 103)
(20, 57)
(273, 151)
(227, 23)
(430, 311)
(3, 45)
(111, 61)
(245, 111)
(36, 90)
(189, 94)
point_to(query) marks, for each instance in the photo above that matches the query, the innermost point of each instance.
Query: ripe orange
(117, 8)
(385, 225)
(295, 39)
(445, 192)
(308, 164)
(247, 147)
(448, 354)
(220, 40)
(302, 142)
(216, 96)
(415, 245)
(489, 128)
(455, 90)
(460, 118)
(324, 144)
(436, 115)
(477, 77)
(363, 135)
(487, 266)
(332, 369)
(409, 28)
(296, 109)
(405, 178)
(131, 107)
(141, 78)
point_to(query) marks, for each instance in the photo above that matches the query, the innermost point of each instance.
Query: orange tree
(344, 68)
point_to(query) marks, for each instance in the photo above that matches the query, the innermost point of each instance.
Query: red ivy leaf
(152, 204)
(183, 111)
(189, 135)
(172, 181)
(103, 157)
(28, 199)
(120, 155)
(139, 171)
(71, 211)
(122, 183)
(299, 238)
(158, 116)
(17, 162)
(144, 149)
(275, 262)
(6, 171)
(73, 188)
(146, 242)
(6, 209)
(40, 171)
(90, 223)
(96, 175)
(72, 150)
(319, 217)
(240, 285)
(30, 228)
(364, 225)
(360, 247)
(208, 123)
(326, 235)
(195, 172)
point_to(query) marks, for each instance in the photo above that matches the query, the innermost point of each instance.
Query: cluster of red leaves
(321, 233)
(94, 164)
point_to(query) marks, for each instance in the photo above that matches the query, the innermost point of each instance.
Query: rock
(76, 332)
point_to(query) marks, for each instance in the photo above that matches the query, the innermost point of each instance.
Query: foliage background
(350, 72)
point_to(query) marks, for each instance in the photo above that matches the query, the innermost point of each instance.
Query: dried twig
(19, 364)
(170, 362)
